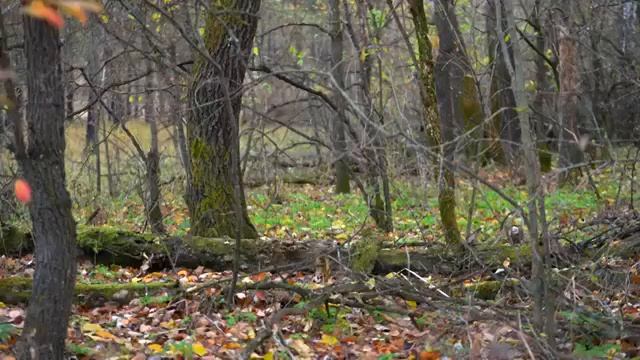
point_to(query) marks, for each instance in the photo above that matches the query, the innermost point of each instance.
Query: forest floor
(334, 314)
(172, 323)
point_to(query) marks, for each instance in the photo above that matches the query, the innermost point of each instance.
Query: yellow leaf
(268, 356)
(38, 9)
(412, 305)
(199, 349)
(2, 305)
(303, 350)
(329, 340)
(183, 273)
(342, 236)
(104, 334)
(92, 328)
(156, 348)
(168, 324)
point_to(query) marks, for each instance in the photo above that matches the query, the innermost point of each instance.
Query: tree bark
(449, 75)
(540, 288)
(42, 163)
(212, 128)
(108, 245)
(502, 97)
(377, 193)
(446, 195)
(153, 198)
(337, 66)
(570, 152)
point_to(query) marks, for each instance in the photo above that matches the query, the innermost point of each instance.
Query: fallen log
(16, 290)
(108, 245)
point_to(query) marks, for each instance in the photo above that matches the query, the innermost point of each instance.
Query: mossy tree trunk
(425, 65)
(54, 230)
(212, 127)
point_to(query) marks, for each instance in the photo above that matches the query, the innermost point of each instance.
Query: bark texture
(502, 97)
(425, 65)
(338, 131)
(212, 129)
(42, 163)
(570, 153)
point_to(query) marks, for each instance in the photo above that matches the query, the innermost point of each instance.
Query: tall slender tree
(42, 163)
(570, 153)
(338, 131)
(212, 128)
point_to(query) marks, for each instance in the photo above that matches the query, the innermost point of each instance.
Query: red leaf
(23, 191)
(40, 10)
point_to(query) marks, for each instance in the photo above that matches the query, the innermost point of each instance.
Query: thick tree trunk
(54, 232)
(212, 129)
(337, 66)
(446, 195)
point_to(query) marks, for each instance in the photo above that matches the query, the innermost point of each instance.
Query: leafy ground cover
(192, 320)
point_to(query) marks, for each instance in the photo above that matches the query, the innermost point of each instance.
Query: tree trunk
(42, 163)
(374, 167)
(449, 76)
(446, 195)
(502, 98)
(212, 129)
(544, 299)
(93, 114)
(152, 195)
(570, 152)
(542, 85)
(337, 66)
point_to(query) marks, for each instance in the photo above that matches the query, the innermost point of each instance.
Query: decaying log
(15, 290)
(108, 245)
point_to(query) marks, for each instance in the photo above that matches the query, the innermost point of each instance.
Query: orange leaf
(23, 191)
(430, 355)
(75, 11)
(40, 10)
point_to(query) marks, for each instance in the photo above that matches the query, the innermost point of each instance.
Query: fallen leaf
(303, 350)
(38, 9)
(156, 348)
(199, 349)
(329, 340)
(92, 328)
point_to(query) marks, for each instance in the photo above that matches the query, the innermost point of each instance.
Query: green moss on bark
(14, 290)
(366, 252)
